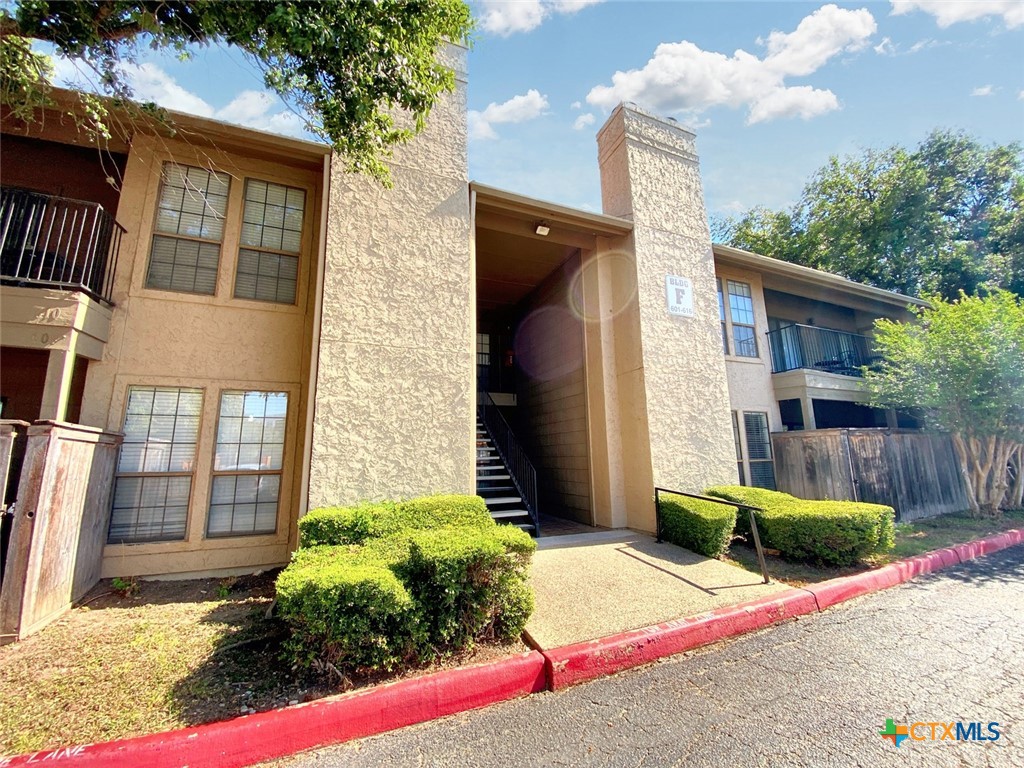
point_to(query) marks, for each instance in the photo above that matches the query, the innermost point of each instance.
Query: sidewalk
(599, 584)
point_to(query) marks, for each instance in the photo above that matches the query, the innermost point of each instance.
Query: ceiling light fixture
(542, 228)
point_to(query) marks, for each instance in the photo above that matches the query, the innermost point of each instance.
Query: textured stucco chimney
(650, 174)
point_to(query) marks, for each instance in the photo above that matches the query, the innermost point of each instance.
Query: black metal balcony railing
(821, 349)
(57, 242)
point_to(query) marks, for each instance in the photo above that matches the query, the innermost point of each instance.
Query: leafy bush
(388, 584)
(831, 532)
(354, 525)
(348, 608)
(701, 526)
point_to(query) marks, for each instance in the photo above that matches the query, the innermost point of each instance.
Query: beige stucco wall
(650, 173)
(552, 394)
(395, 385)
(215, 343)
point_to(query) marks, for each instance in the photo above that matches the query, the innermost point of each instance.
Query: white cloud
(518, 109)
(984, 90)
(576, 105)
(1020, 95)
(886, 48)
(683, 77)
(150, 83)
(583, 121)
(949, 12)
(506, 17)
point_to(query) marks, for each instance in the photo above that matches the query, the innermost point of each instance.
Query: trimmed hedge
(354, 525)
(831, 532)
(701, 526)
(392, 584)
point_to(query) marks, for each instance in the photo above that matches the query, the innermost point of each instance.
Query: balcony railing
(57, 242)
(822, 349)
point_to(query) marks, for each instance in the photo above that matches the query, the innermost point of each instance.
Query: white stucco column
(650, 173)
(395, 381)
(60, 368)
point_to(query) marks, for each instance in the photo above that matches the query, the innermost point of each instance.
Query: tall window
(189, 226)
(739, 448)
(759, 450)
(268, 261)
(721, 317)
(741, 313)
(247, 466)
(155, 467)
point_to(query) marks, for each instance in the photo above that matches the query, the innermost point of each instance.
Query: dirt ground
(171, 654)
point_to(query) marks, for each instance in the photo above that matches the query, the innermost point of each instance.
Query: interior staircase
(495, 486)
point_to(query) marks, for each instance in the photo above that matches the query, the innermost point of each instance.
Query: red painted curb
(585, 661)
(268, 735)
(828, 593)
(973, 549)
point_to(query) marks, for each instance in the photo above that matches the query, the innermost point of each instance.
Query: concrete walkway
(597, 584)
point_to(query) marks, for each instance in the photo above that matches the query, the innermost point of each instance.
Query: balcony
(797, 346)
(56, 242)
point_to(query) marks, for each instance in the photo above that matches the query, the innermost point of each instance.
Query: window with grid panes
(741, 315)
(759, 450)
(185, 252)
(721, 317)
(155, 466)
(247, 464)
(739, 448)
(271, 238)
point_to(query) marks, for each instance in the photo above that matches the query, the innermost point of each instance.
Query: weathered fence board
(59, 526)
(916, 473)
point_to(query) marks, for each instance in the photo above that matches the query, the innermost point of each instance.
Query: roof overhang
(785, 277)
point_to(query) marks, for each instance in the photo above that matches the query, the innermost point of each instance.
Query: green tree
(944, 217)
(962, 362)
(364, 73)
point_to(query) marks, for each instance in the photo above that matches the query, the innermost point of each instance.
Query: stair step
(505, 489)
(492, 477)
(503, 500)
(489, 459)
(528, 527)
(507, 513)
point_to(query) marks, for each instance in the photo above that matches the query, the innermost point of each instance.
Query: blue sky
(772, 89)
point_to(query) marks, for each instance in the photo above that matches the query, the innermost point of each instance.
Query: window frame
(746, 460)
(155, 231)
(280, 472)
(262, 250)
(732, 323)
(191, 474)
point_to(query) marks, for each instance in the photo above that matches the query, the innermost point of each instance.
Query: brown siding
(63, 170)
(22, 378)
(552, 400)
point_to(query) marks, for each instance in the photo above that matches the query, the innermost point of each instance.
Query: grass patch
(914, 538)
(169, 655)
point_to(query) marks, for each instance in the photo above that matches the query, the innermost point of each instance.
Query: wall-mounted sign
(679, 293)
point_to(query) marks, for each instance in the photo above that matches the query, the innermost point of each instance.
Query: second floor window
(185, 252)
(741, 316)
(271, 239)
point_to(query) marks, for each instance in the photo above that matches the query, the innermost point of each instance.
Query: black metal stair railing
(51, 241)
(520, 468)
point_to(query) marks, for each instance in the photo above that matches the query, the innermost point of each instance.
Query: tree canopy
(962, 363)
(350, 68)
(944, 217)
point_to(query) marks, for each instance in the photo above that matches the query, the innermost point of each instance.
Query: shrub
(354, 525)
(347, 608)
(389, 583)
(701, 526)
(832, 532)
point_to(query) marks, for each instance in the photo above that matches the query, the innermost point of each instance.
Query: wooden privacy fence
(60, 524)
(916, 473)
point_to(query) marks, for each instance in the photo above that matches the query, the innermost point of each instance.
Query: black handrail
(53, 241)
(750, 511)
(823, 349)
(520, 468)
